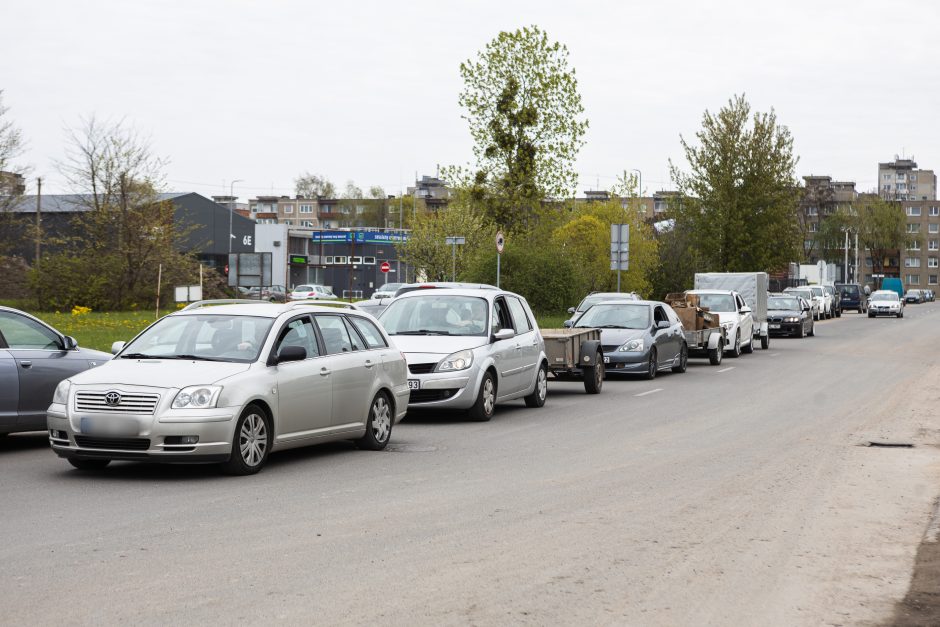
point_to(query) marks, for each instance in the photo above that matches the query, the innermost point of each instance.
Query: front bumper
(625, 362)
(784, 328)
(883, 311)
(445, 390)
(144, 437)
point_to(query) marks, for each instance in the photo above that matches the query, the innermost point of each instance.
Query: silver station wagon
(232, 383)
(468, 349)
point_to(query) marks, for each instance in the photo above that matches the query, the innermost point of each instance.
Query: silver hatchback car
(230, 384)
(468, 349)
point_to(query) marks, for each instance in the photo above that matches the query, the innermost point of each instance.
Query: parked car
(231, 384)
(790, 315)
(386, 291)
(437, 285)
(929, 295)
(274, 294)
(806, 294)
(638, 336)
(885, 303)
(34, 357)
(835, 300)
(468, 349)
(373, 306)
(824, 303)
(733, 314)
(914, 296)
(852, 296)
(592, 299)
(312, 292)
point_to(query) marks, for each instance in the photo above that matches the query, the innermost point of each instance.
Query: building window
(913, 212)
(340, 260)
(868, 262)
(368, 261)
(306, 223)
(933, 244)
(814, 227)
(288, 208)
(933, 228)
(914, 244)
(935, 211)
(912, 262)
(931, 279)
(306, 208)
(812, 211)
(357, 261)
(913, 228)
(913, 177)
(932, 262)
(887, 177)
(913, 279)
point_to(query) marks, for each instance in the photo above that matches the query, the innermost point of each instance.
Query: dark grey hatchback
(34, 358)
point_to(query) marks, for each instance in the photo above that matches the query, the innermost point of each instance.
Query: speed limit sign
(500, 242)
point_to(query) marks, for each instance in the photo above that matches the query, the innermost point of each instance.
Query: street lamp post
(231, 211)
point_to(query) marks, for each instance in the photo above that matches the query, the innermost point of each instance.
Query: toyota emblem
(112, 398)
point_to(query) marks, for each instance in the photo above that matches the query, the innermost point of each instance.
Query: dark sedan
(34, 358)
(638, 337)
(789, 315)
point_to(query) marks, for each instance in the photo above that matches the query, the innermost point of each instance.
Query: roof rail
(322, 303)
(223, 301)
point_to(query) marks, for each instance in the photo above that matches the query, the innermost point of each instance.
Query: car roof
(487, 292)
(261, 309)
(709, 291)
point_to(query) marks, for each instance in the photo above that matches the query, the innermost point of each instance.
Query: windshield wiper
(422, 332)
(194, 357)
(140, 356)
(611, 326)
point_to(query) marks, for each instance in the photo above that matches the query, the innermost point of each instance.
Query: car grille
(429, 396)
(609, 348)
(118, 444)
(129, 403)
(421, 368)
(776, 320)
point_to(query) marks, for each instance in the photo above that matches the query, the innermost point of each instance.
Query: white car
(804, 292)
(386, 291)
(312, 292)
(885, 303)
(734, 315)
(468, 349)
(824, 299)
(232, 383)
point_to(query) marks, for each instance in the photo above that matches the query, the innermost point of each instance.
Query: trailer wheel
(715, 355)
(594, 375)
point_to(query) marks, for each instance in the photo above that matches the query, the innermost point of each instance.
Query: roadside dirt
(921, 606)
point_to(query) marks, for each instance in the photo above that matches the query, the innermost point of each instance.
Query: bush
(539, 273)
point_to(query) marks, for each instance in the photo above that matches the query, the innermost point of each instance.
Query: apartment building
(294, 212)
(822, 197)
(902, 180)
(920, 261)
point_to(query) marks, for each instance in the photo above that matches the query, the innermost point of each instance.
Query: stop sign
(385, 267)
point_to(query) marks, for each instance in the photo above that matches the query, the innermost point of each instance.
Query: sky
(364, 90)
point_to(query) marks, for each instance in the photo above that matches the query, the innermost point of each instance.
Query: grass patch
(551, 321)
(98, 330)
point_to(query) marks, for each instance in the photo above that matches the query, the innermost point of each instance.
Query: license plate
(606, 359)
(414, 384)
(775, 326)
(108, 425)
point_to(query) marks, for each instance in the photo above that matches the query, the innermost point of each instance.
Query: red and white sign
(385, 267)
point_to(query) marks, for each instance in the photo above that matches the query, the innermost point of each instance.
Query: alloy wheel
(253, 439)
(489, 396)
(381, 419)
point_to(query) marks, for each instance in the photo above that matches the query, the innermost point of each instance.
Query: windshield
(802, 294)
(817, 291)
(436, 315)
(615, 316)
(884, 296)
(590, 301)
(209, 337)
(303, 288)
(716, 302)
(781, 304)
(389, 287)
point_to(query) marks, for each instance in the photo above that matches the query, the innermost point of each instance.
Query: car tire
(378, 424)
(764, 342)
(485, 404)
(839, 314)
(749, 347)
(736, 347)
(251, 442)
(652, 367)
(594, 376)
(538, 395)
(800, 333)
(812, 330)
(89, 464)
(716, 354)
(683, 364)
(900, 314)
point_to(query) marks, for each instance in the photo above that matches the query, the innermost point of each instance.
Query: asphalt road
(728, 495)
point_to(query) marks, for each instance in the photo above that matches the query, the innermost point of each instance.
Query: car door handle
(324, 372)
(26, 364)
(369, 363)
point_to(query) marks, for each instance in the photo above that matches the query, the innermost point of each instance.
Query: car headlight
(632, 346)
(61, 395)
(197, 397)
(461, 360)
(791, 319)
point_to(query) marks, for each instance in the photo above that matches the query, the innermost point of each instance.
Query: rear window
(849, 290)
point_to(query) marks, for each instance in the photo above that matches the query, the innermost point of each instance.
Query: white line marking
(726, 369)
(774, 354)
(649, 392)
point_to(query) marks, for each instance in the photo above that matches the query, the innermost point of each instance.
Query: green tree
(740, 193)
(524, 111)
(882, 228)
(314, 186)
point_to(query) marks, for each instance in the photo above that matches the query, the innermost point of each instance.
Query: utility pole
(38, 220)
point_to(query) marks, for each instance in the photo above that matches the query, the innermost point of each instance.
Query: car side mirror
(290, 353)
(745, 310)
(805, 308)
(571, 310)
(69, 343)
(504, 334)
(116, 347)
(568, 324)
(662, 324)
